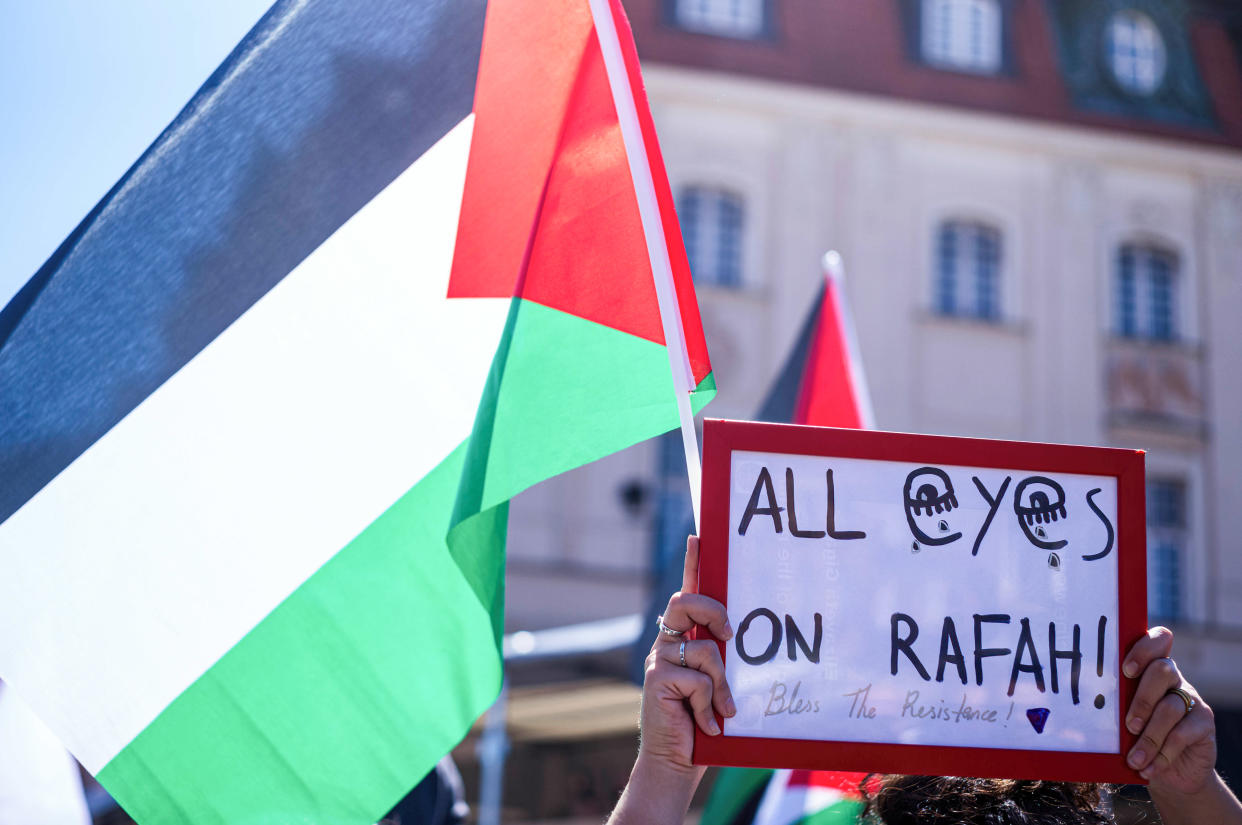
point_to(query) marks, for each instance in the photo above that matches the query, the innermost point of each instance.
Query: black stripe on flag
(322, 105)
(782, 400)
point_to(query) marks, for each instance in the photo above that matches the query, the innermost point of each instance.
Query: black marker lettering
(794, 638)
(793, 517)
(1108, 541)
(993, 506)
(762, 484)
(927, 498)
(1025, 643)
(773, 646)
(948, 636)
(906, 645)
(982, 652)
(1074, 654)
(833, 532)
(1099, 647)
(1045, 503)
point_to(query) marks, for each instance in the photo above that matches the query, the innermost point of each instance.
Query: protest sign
(923, 604)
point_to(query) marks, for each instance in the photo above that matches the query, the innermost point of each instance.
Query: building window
(962, 34)
(1166, 544)
(1136, 52)
(711, 225)
(967, 271)
(729, 18)
(1146, 293)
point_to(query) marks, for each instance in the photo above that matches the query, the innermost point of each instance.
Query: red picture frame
(721, 438)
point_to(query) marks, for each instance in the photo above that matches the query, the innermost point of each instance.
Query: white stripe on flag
(784, 803)
(780, 805)
(179, 530)
(39, 782)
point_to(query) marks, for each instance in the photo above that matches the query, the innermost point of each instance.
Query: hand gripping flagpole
(653, 231)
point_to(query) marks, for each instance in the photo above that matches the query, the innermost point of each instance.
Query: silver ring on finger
(682, 652)
(668, 631)
(1185, 696)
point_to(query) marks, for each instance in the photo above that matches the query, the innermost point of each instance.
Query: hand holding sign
(1184, 785)
(676, 698)
(1176, 748)
(1177, 742)
(669, 687)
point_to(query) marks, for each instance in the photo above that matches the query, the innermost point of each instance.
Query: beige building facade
(875, 179)
(878, 179)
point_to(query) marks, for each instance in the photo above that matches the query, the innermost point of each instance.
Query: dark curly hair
(953, 800)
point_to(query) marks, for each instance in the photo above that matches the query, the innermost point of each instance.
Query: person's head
(953, 800)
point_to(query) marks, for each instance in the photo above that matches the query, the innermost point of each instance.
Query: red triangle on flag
(558, 223)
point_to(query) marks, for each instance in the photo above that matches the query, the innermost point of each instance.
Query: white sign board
(967, 604)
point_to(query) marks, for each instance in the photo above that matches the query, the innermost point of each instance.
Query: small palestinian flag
(803, 797)
(821, 383)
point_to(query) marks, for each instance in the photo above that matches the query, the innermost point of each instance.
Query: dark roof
(1053, 69)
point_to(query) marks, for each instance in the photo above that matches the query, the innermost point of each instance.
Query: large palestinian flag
(262, 412)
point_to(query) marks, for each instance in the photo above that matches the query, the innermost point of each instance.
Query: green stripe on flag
(563, 392)
(400, 626)
(734, 792)
(283, 728)
(840, 813)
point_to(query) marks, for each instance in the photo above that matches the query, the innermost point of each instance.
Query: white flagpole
(653, 231)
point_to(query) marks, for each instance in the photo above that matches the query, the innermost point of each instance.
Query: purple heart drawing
(1038, 718)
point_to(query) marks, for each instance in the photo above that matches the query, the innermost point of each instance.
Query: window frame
(1128, 82)
(922, 37)
(959, 290)
(1146, 291)
(675, 17)
(1168, 543)
(728, 222)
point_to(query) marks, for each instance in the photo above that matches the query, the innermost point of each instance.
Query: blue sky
(85, 87)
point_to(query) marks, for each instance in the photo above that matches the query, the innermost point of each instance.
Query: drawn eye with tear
(1039, 503)
(929, 498)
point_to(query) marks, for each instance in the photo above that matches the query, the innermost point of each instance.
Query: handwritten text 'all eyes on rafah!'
(937, 648)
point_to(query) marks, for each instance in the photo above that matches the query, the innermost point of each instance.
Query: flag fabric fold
(262, 413)
(39, 781)
(802, 797)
